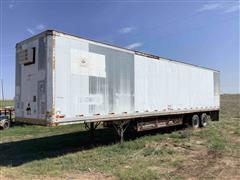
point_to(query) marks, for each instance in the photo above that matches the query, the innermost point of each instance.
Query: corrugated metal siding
(119, 81)
(86, 86)
(98, 94)
(124, 82)
(165, 85)
(71, 89)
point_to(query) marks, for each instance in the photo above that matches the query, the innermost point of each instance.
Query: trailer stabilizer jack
(120, 127)
(91, 127)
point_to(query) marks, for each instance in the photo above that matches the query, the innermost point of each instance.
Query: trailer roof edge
(141, 53)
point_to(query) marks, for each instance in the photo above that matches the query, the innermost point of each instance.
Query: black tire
(195, 121)
(204, 120)
(6, 124)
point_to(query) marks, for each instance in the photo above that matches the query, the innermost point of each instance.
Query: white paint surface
(161, 85)
(167, 85)
(87, 63)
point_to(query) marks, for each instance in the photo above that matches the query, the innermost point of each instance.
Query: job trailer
(65, 79)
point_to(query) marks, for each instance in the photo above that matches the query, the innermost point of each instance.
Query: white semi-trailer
(66, 79)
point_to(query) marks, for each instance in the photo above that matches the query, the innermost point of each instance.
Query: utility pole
(2, 101)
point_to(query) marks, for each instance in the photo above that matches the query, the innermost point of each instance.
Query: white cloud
(31, 31)
(40, 27)
(223, 6)
(232, 9)
(126, 30)
(36, 29)
(134, 45)
(209, 7)
(12, 4)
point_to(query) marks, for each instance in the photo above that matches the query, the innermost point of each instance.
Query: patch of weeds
(169, 176)
(137, 173)
(180, 136)
(133, 145)
(216, 141)
(186, 134)
(148, 151)
(215, 137)
(156, 137)
(237, 131)
(175, 135)
(156, 151)
(201, 134)
(177, 162)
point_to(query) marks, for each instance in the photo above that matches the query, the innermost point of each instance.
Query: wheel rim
(195, 122)
(6, 125)
(204, 121)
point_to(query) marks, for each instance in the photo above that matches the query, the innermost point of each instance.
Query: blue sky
(205, 33)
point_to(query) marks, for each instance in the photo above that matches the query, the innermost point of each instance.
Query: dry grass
(35, 152)
(6, 103)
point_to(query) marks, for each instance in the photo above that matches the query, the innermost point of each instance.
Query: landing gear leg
(91, 127)
(92, 135)
(120, 128)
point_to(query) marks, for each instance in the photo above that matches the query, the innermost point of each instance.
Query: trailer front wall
(31, 90)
